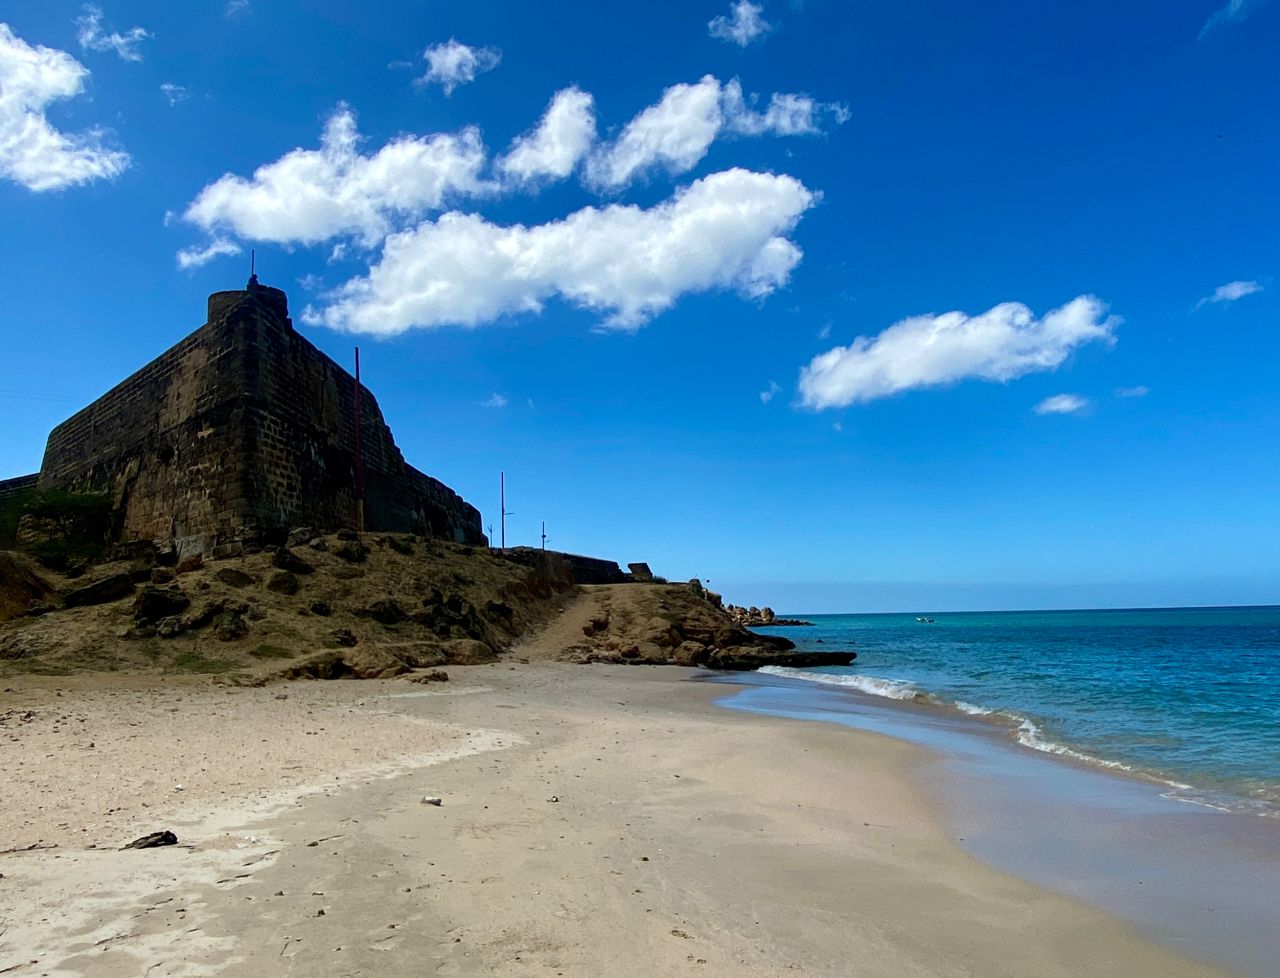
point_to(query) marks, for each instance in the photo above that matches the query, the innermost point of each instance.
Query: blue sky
(840, 306)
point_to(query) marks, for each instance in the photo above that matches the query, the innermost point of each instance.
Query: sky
(838, 306)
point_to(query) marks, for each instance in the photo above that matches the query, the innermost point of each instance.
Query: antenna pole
(359, 457)
(544, 534)
(502, 504)
(252, 261)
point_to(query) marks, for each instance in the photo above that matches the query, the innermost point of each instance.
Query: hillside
(334, 608)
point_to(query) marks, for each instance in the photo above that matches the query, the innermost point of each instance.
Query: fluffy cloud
(1062, 404)
(768, 393)
(197, 255)
(32, 152)
(92, 36)
(561, 139)
(743, 24)
(1230, 292)
(495, 400)
(1139, 391)
(1232, 12)
(727, 230)
(453, 63)
(675, 133)
(932, 351)
(308, 195)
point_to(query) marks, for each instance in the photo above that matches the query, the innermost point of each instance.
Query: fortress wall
(245, 430)
(302, 470)
(12, 487)
(167, 443)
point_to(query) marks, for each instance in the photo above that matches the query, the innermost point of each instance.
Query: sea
(1187, 698)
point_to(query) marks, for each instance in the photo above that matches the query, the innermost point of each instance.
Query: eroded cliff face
(242, 432)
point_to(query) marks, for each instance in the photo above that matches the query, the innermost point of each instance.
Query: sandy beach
(595, 821)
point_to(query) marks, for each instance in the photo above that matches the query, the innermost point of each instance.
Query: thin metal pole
(359, 457)
(502, 504)
(544, 534)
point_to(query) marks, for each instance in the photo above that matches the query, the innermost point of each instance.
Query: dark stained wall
(241, 432)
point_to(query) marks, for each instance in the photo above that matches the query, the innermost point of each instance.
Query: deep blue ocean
(1187, 696)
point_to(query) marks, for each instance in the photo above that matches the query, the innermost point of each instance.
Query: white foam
(892, 689)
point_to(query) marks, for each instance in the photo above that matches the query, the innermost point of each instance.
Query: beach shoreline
(602, 820)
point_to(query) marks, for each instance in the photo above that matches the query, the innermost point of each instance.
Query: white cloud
(1139, 391)
(174, 93)
(308, 195)
(825, 332)
(237, 7)
(453, 63)
(561, 139)
(725, 231)
(767, 395)
(743, 24)
(933, 351)
(92, 36)
(1232, 12)
(198, 255)
(495, 400)
(675, 133)
(1231, 292)
(1062, 404)
(32, 152)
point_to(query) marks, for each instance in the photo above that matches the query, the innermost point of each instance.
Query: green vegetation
(73, 527)
(195, 662)
(271, 652)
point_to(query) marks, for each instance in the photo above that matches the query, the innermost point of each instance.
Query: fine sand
(596, 821)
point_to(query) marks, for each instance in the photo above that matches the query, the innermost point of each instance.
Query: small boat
(925, 621)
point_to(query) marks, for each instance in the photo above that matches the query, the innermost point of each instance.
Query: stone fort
(239, 433)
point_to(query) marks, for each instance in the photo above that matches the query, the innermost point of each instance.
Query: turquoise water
(1188, 696)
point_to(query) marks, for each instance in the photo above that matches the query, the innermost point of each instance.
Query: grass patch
(194, 662)
(271, 652)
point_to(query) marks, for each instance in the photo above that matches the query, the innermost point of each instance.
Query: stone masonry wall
(242, 431)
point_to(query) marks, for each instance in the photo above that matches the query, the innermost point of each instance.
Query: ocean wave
(1031, 735)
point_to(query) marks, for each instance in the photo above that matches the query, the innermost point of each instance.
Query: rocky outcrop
(754, 617)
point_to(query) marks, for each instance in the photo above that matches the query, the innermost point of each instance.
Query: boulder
(346, 638)
(467, 652)
(661, 633)
(283, 582)
(689, 654)
(169, 627)
(154, 603)
(161, 575)
(286, 560)
(189, 564)
(321, 608)
(385, 611)
(371, 662)
(303, 534)
(229, 626)
(102, 591)
(232, 577)
(351, 551)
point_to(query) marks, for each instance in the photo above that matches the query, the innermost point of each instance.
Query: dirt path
(566, 630)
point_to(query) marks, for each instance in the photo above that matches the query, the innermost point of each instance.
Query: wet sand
(595, 821)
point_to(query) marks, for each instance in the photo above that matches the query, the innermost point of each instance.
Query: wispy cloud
(1001, 344)
(1232, 12)
(743, 24)
(33, 152)
(1231, 292)
(1139, 391)
(453, 63)
(1062, 404)
(94, 37)
(495, 400)
(237, 8)
(199, 255)
(174, 93)
(768, 393)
